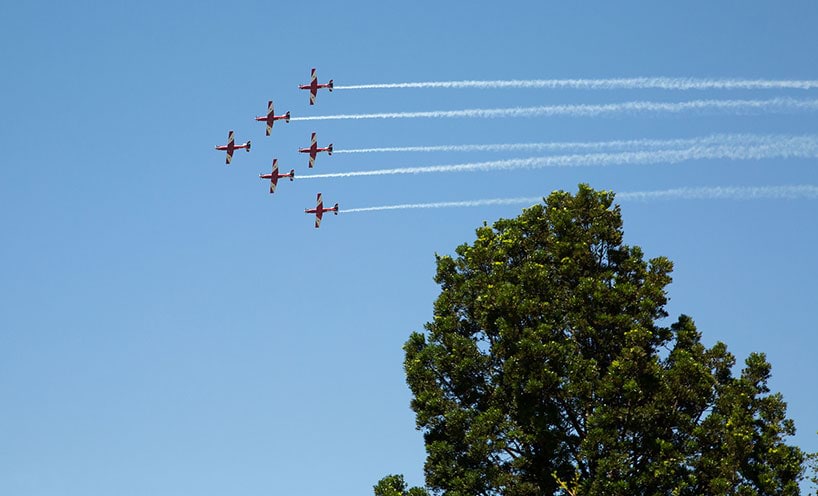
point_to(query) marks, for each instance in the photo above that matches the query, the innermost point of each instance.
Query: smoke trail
(664, 83)
(726, 193)
(794, 147)
(474, 203)
(587, 110)
(638, 144)
(701, 193)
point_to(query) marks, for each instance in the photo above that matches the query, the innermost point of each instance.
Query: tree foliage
(812, 467)
(546, 371)
(394, 485)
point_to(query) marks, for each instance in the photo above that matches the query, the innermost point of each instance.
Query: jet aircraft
(319, 210)
(314, 86)
(275, 176)
(270, 118)
(313, 150)
(232, 146)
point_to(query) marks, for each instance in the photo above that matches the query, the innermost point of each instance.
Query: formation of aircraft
(275, 176)
(231, 146)
(314, 86)
(313, 150)
(319, 210)
(270, 118)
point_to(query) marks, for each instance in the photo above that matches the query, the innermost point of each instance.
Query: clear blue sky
(168, 327)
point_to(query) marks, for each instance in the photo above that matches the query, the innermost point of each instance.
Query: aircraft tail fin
(329, 149)
(329, 85)
(288, 117)
(336, 209)
(248, 146)
(292, 174)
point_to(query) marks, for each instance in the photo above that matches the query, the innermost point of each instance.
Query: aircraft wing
(313, 86)
(274, 176)
(313, 146)
(231, 141)
(319, 210)
(270, 120)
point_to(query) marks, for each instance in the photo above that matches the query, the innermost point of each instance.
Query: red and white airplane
(270, 118)
(314, 86)
(231, 146)
(313, 150)
(275, 176)
(319, 210)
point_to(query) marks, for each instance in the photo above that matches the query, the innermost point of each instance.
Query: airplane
(313, 150)
(270, 118)
(314, 86)
(275, 176)
(319, 210)
(231, 146)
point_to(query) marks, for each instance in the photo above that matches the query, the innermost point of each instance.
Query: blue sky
(168, 327)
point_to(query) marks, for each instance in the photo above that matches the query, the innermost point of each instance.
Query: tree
(545, 370)
(394, 485)
(812, 463)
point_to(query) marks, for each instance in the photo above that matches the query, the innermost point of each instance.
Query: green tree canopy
(546, 370)
(394, 485)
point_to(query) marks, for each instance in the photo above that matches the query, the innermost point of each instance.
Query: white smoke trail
(794, 147)
(803, 191)
(664, 83)
(587, 110)
(474, 203)
(638, 144)
(701, 193)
